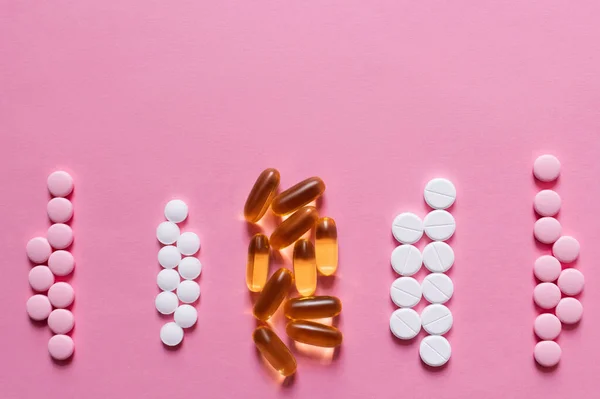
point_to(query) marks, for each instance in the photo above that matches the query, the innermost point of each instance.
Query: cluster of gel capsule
(308, 260)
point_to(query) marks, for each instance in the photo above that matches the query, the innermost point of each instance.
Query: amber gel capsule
(326, 246)
(298, 195)
(313, 333)
(305, 267)
(257, 268)
(293, 227)
(313, 307)
(274, 350)
(273, 293)
(261, 195)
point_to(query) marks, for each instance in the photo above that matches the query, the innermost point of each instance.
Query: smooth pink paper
(147, 100)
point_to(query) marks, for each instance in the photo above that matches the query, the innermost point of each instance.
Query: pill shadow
(401, 342)
(327, 282)
(543, 185)
(284, 382)
(545, 370)
(321, 203)
(63, 363)
(40, 324)
(435, 370)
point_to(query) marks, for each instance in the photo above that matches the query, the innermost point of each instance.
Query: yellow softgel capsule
(273, 293)
(257, 268)
(305, 267)
(298, 195)
(326, 246)
(261, 195)
(294, 227)
(313, 333)
(274, 350)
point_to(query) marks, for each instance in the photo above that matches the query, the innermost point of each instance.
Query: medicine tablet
(566, 249)
(405, 292)
(439, 225)
(188, 243)
(436, 319)
(547, 353)
(547, 326)
(569, 310)
(61, 263)
(188, 291)
(60, 183)
(176, 211)
(571, 281)
(547, 268)
(547, 203)
(407, 228)
(546, 168)
(171, 334)
(546, 295)
(41, 278)
(60, 236)
(547, 230)
(169, 257)
(166, 302)
(190, 268)
(405, 323)
(167, 233)
(61, 347)
(440, 193)
(167, 279)
(186, 316)
(438, 257)
(38, 307)
(437, 288)
(60, 210)
(61, 321)
(61, 295)
(38, 250)
(406, 260)
(435, 350)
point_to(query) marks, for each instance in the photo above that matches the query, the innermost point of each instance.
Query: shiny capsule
(326, 246)
(305, 267)
(257, 268)
(313, 307)
(313, 333)
(261, 195)
(294, 227)
(298, 195)
(273, 293)
(274, 350)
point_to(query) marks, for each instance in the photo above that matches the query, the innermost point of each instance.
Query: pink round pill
(38, 307)
(546, 295)
(61, 295)
(569, 310)
(546, 168)
(566, 249)
(546, 268)
(41, 278)
(60, 210)
(547, 353)
(60, 183)
(61, 321)
(571, 281)
(547, 203)
(61, 347)
(38, 250)
(547, 230)
(60, 236)
(61, 263)
(546, 326)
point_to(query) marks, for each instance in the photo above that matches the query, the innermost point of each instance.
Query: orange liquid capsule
(273, 293)
(261, 195)
(294, 227)
(257, 268)
(298, 195)
(274, 350)
(313, 307)
(305, 267)
(312, 333)
(326, 244)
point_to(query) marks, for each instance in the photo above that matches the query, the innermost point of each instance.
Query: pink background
(148, 100)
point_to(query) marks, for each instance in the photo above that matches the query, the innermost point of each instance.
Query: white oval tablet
(166, 302)
(435, 350)
(188, 243)
(169, 257)
(437, 288)
(188, 291)
(438, 257)
(176, 211)
(405, 292)
(439, 225)
(171, 334)
(190, 268)
(405, 323)
(407, 228)
(440, 193)
(167, 233)
(167, 279)
(186, 316)
(406, 260)
(436, 319)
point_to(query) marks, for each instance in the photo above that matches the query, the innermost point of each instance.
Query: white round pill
(406, 260)
(190, 268)
(167, 233)
(176, 211)
(405, 292)
(435, 350)
(167, 279)
(171, 334)
(169, 257)
(439, 225)
(405, 323)
(186, 316)
(437, 288)
(436, 319)
(438, 257)
(440, 193)
(166, 302)
(188, 243)
(188, 291)
(407, 228)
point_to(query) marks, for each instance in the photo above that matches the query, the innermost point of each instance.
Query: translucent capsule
(313, 333)
(326, 244)
(305, 267)
(294, 227)
(313, 307)
(257, 268)
(298, 195)
(261, 195)
(273, 293)
(274, 350)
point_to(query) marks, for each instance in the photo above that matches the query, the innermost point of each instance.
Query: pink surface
(143, 101)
